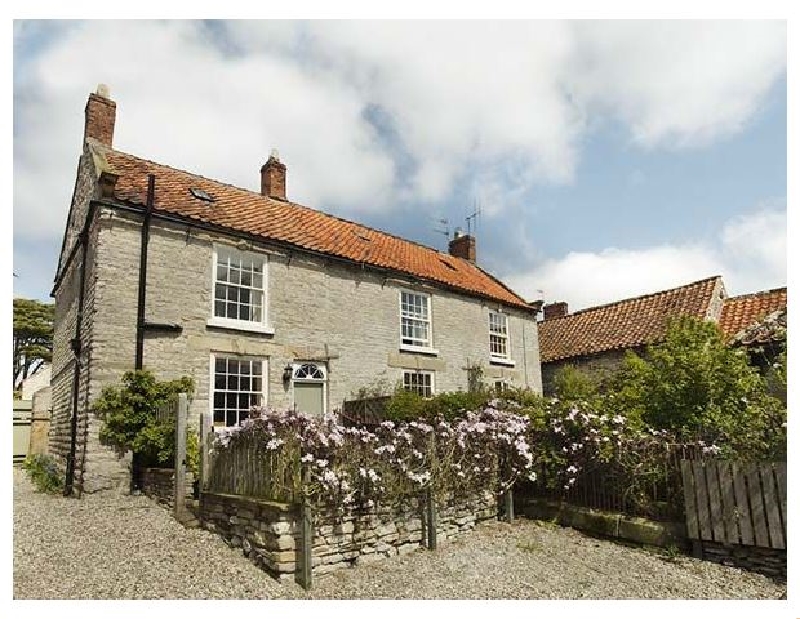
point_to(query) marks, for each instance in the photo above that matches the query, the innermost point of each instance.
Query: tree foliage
(130, 422)
(695, 385)
(33, 336)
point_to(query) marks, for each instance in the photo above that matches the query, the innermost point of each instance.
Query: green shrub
(130, 424)
(404, 406)
(44, 473)
(409, 406)
(454, 404)
(694, 384)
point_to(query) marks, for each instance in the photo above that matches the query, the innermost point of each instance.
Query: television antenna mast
(472, 220)
(446, 230)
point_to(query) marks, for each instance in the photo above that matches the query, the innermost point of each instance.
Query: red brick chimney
(556, 310)
(273, 177)
(100, 115)
(463, 246)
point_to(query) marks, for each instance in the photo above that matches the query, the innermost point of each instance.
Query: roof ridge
(298, 205)
(757, 294)
(636, 298)
(497, 280)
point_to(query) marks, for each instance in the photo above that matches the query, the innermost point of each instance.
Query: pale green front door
(309, 398)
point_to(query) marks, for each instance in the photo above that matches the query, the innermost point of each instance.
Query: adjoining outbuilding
(595, 339)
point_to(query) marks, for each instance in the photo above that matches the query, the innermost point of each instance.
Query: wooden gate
(735, 503)
(22, 429)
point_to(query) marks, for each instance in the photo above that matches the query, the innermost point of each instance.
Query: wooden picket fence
(735, 503)
(250, 470)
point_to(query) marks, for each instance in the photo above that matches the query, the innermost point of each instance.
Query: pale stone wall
(598, 365)
(66, 308)
(38, 381)
(40, 420)
(322, 311)
(159, 484)
(270, 534)
(96, 467)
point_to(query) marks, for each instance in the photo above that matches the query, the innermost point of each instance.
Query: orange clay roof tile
(248, 212)
(743, 311)
(623, 324)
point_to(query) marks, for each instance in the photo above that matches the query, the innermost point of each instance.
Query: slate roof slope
(743, 311)
(240, 210)
(623, 324)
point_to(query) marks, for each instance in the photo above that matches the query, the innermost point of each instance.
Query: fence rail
(364, 412)
(654, 491)
(735, 503)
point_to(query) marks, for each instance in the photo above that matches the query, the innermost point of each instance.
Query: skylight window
(200, 194)
(447, 264)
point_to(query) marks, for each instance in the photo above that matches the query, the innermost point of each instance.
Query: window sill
(237, 325)
(499, 361)
(424, 350)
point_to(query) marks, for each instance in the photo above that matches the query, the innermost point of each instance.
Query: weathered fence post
(430, 519)
(508, 497)
(205, 445)
(306, 536)
(180, 457)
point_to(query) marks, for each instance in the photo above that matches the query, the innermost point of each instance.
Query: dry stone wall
(270, 533)
(768, 561)
(159, 484)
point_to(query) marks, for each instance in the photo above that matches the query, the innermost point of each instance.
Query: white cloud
(678, 83)
(182, 103)
(750, 254)
(501, 105)
(459, 96)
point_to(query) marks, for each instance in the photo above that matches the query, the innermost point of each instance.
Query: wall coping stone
(282, 507)
(610, 524)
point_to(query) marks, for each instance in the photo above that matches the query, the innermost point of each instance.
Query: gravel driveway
(113, 547)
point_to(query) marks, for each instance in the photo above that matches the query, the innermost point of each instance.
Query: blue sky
(609, 159)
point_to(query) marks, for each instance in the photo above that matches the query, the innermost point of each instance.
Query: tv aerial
(472, 220)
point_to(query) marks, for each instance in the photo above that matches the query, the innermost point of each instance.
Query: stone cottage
(259, 299)
(595, 339)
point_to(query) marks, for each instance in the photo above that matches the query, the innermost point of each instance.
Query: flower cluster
(338, 465)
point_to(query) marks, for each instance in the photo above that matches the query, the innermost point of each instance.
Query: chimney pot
(556, 310)
(100, 116)
(463, 246)
(273, 177)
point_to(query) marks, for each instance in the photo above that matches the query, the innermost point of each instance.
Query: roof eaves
(169, 215)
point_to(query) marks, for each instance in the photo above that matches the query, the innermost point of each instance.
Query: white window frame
(503, 382)
(432, 376)
(212, 376)
(427, 347)
(319, 381)
(261, 326)
(494, 357)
